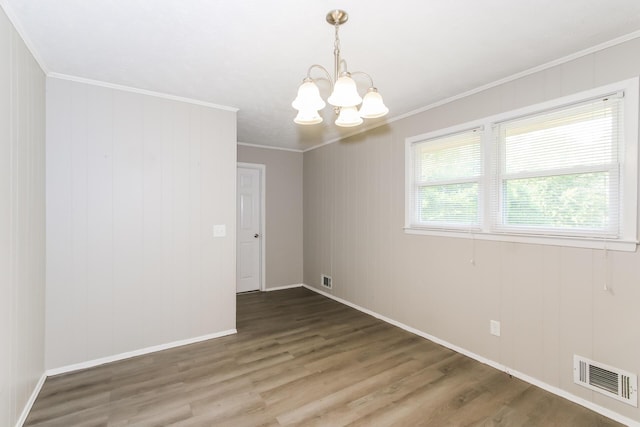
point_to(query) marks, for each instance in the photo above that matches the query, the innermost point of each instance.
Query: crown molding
(140, 91)
(269, 147)
(13, 19)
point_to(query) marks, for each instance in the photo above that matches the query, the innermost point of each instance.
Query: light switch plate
(219, 230)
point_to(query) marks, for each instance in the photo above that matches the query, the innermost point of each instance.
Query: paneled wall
(283, 200)
(22, 223)
(550, 300)
(135, 184)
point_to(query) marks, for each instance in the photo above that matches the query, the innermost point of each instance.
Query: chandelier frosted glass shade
(345, 93)
(348, 117)
(372, 105)
(308, 117)
(308, 97)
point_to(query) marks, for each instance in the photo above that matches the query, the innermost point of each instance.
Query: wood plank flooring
(302, 359)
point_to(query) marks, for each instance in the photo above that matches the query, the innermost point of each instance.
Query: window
(558, 172)
(447, 173)
(563, 172)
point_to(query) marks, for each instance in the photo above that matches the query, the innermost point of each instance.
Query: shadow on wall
(364, 135)
(328, 131)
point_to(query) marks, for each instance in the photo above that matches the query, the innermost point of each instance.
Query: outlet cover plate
(494, 327)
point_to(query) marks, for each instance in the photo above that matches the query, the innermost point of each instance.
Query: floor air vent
(605, 379)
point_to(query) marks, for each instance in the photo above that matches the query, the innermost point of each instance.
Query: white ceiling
(253, 54)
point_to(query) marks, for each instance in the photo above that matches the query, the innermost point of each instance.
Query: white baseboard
(129, 354)
(524, 377)
(30, 402)
(280, 288)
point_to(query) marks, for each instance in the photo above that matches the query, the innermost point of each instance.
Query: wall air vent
(326, 281)
(613, 382)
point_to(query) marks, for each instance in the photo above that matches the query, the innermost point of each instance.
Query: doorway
(250, 216)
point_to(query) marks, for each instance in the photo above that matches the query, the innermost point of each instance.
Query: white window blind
(447, 181)
(558, 172)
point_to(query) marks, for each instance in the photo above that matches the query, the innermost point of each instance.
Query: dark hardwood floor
(302, 359)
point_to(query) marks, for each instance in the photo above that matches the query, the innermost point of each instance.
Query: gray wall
(135, 184)
(283, 212)
(22, 223)
(549, 299)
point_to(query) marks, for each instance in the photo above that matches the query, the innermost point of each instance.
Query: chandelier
(344, 95)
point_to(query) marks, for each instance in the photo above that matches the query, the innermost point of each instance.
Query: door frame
(262, 169)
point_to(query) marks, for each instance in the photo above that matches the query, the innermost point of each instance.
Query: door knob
(256, 235)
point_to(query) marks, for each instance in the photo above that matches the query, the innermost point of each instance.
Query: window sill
(575, 242)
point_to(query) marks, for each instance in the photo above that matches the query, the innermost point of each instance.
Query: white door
(248, 248)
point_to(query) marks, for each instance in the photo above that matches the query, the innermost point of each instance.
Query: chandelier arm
(331, 82)
(366, 74)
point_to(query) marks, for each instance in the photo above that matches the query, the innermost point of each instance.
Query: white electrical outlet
(494, 327)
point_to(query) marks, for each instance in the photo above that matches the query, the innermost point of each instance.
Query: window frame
(415, 186)
(489, 186)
